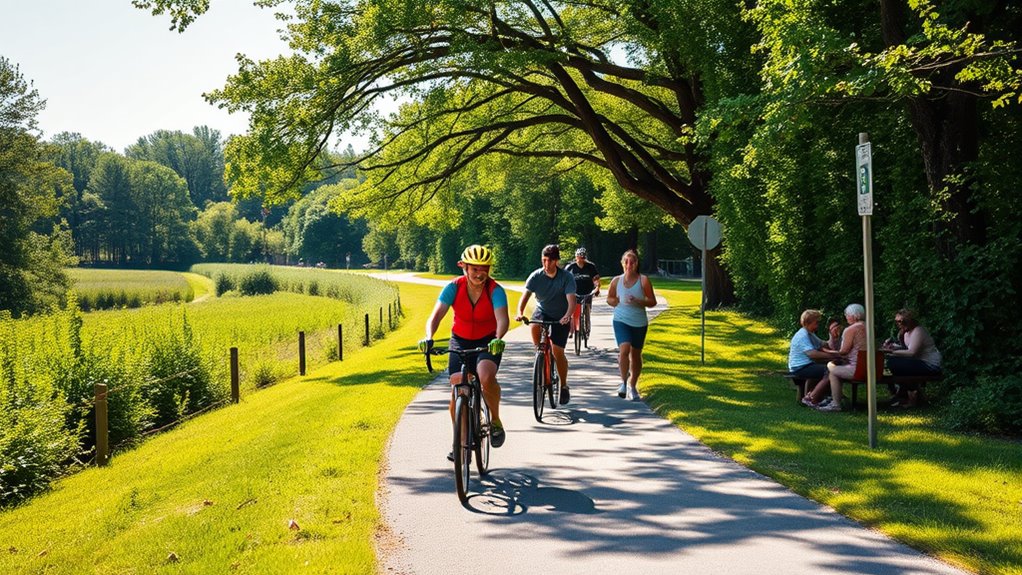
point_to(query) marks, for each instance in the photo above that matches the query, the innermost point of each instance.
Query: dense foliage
(33, 249)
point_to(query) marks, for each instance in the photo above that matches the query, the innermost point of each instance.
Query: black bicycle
(471, 420)
(583, 324)
(544, 371)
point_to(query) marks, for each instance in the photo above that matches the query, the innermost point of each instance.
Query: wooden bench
(859, 378)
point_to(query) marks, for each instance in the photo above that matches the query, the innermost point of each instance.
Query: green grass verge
(219, 491)
(201, 285)
(957, 497)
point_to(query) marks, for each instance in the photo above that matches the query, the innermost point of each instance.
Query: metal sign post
(704, 232)
(864, 201)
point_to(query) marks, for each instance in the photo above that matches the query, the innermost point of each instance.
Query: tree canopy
(33, 251)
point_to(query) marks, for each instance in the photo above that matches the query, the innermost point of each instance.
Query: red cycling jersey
(473, 321)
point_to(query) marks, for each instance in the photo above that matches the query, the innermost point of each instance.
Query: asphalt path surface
(601, 485)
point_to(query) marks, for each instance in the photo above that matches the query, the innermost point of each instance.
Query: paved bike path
(602, 485)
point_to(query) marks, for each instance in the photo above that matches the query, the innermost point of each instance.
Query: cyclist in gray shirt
(555, 301)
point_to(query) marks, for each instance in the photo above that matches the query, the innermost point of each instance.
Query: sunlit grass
(105, 289)
(958, 497)
(218, 492)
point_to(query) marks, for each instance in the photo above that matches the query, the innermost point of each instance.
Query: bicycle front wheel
(578, 336)
(538, 384)
(587, 322)
(462, 448)
(482, 443)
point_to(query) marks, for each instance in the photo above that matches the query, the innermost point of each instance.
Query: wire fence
(99, 402)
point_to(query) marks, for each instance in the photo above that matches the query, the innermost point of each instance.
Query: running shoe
(497, 435)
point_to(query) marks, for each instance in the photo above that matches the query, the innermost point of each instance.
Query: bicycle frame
(581, 321)
(544, 374)
(471, 423)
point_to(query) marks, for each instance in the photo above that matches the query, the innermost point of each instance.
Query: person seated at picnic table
(912, 353)
(852, 340)
(807, 352)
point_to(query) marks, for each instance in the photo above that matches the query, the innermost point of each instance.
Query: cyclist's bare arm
(596, 285)
(571, 308)
(521, 305)
(500, 314)
(439, 311)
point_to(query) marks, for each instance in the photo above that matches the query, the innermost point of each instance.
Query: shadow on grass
(732, 407)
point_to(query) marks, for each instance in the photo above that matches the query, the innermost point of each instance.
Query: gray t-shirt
(551, 292)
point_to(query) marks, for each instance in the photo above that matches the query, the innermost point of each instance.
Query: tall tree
(110, 183)
(197, 157)
(78, 156)
(616, 85)
(33, 251)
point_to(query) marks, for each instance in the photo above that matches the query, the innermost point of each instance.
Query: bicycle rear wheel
(555, 380)
(482, 443)
(538, 381)
(461, 448)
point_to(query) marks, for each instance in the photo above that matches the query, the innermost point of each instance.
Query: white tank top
(626, 313)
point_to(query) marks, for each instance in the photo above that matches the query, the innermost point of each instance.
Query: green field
(106, 289)
(160, 363)
(219, 491)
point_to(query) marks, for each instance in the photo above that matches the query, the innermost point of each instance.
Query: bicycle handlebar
(445, 350)
(527, 321)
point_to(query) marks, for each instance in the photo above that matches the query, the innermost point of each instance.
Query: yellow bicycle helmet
(477, 255)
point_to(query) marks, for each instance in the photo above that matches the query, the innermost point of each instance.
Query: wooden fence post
(301, 353)
(381, 318)
(235, 394)
(367, 330)
(390, 317)
(340, 342)
(102, 427)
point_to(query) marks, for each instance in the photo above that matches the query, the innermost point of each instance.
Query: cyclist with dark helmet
(480, 320)
(554, 289)
(587, 279)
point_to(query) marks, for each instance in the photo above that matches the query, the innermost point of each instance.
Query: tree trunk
(945, 124)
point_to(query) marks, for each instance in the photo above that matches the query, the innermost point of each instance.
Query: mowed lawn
(954, 496)
(217, 494)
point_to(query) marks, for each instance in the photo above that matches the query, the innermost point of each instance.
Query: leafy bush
(34, 438)
(257, 282)
(993, 405)
(181, 379)
(224, 283)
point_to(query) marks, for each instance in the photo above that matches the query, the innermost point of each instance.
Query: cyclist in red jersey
(480, 320)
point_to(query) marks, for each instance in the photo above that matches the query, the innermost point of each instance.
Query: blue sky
(115, 73)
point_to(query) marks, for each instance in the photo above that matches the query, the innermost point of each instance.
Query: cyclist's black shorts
(454, 360)
(558, 333)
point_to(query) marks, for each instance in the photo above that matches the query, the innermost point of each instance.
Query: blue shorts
(558, 333)
(454, 360)
(624, 333)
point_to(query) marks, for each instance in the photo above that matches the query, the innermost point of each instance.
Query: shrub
(34, 437)
(181, 380)
(257, 283)
(992, 405)
(224, 283)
